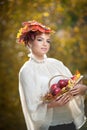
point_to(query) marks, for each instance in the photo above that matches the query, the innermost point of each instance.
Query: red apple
(53, 87)
(58, 85)
(73, 77)
(63, 83)
(56, 91)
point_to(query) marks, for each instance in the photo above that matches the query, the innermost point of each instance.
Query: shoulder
(54, 61)
(59, 65)
(26, 68)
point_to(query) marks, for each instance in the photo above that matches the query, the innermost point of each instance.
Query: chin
(44, 52)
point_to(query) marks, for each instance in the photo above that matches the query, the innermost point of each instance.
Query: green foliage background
(69, 20)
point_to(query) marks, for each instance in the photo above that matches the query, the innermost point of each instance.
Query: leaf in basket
(74, 80)
(48, 97)
(76, 76)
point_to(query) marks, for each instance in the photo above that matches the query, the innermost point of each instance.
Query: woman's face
(40, 45)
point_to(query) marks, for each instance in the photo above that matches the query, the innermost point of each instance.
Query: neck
(38, 59)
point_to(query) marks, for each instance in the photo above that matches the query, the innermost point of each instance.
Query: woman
(65, 112)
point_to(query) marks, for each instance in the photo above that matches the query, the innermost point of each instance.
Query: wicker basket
(49, 97)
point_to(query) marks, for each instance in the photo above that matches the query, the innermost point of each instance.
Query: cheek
(48, 46)
(35, 45)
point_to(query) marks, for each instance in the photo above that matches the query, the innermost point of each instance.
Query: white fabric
(34, 77)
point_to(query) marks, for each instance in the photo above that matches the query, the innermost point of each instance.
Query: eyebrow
(42, 37)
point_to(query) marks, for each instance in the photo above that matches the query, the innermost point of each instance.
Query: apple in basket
(63, 83)
(55, 89)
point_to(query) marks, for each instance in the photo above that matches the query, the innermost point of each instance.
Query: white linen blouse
(34, 77)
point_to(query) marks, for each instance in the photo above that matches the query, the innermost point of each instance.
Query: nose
(44, 43)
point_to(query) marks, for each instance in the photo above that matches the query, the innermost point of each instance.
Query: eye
(48, 41)
(39, 39)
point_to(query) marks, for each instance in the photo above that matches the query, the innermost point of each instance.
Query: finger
(62, 101)
(75, 92)
(59, 97)
(65, 95)
(75, 88)
(66, 100)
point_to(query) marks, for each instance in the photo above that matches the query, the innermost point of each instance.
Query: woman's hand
(60, 101)
(79, 89)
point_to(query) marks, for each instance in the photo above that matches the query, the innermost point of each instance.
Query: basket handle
(56, 76)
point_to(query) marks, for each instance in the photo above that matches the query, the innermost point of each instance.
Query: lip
(44, 49)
